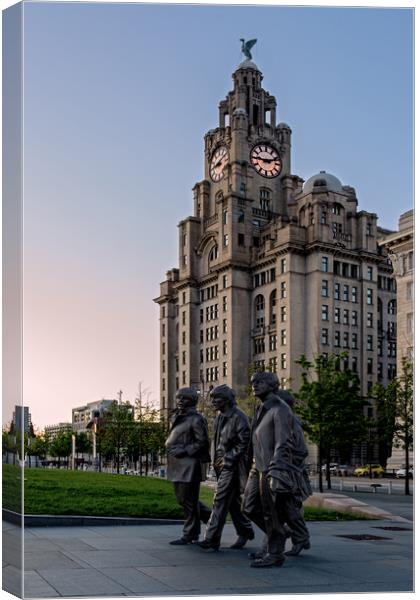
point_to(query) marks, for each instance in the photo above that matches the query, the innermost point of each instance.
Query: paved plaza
(137, 561)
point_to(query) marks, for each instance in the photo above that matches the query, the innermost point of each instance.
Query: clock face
(218, 162)
(266, 160)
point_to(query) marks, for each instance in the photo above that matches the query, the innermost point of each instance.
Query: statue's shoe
(242, 540)
(183, 541)
(297, 548)
(258, 554)
(209, 545)
(267, 561)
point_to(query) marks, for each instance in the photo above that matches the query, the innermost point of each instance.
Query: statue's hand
(177, 452)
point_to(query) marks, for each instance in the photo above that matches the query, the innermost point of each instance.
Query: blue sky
(117, 101)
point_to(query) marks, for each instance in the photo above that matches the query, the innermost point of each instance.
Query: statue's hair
(223, 391)
(188, 392)
(270, 378)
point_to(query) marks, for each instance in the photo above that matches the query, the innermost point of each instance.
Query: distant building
(400, 247)
(51, 431)
(83, 414)
(22, 419)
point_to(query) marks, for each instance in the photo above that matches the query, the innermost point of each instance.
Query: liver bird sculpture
(246, 47)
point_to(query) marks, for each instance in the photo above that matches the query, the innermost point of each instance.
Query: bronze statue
(188, 456)
(271, 485)
(229, 456)
(298, 530)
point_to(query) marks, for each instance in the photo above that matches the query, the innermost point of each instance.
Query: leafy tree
(39, 446)
(60, 446)
(402, 390)
(330, 407)
(115, 427)
(83, 443)
(383, 426)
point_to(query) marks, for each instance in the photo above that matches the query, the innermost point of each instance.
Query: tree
(383, 426)
(116, 425)
(330, 407)
(60, 446)
(83, 443)
(39, 446)
(402, 390)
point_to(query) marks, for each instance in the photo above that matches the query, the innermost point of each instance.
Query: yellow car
(377, 471)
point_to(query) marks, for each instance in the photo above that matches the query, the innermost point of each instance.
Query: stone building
(400, 248)
(82, 415)
(271, 267)
(52, 431)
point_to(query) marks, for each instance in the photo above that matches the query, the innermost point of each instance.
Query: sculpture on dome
(246, 47)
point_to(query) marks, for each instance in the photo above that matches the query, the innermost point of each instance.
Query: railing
(343, 237)
(211, 220)
(262, 212)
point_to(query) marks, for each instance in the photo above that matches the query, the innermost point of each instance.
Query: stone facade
(52, 431)
(82, 415)
(271, 267)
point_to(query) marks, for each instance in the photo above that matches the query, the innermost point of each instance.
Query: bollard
(389, 487)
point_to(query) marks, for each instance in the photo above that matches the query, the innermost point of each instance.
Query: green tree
(60, 446)
(384, 423)
(402, 390)
(330, 407)
(116, 424)
(83, 443)
(39, 446)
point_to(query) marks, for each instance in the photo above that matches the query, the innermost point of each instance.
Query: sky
(117, 99)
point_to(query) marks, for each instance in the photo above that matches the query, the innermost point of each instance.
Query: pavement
(136, 560)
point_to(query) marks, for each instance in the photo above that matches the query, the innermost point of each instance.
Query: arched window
(273, 298)
(392, 307)
(302, 217)
(259, 306)
(214, 253)
(265, 199)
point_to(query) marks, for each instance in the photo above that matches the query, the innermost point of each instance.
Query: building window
(354, 364)
(324, 288)
(225, 348)
(163, 329)
(163, 384)
(163, 366)
(225, 369)
(225, 217)
(163, 348)
(283, 337)
(380, 348)
(224, 300)
(241, 239)
(241, 216)
(184, 260)
(224, 325)
(345, 339)
(346, 292)
(183, 317)
(392, 307)
(283, 265)
(324, 337)
(337, 340)
(225, 240)
(283, 314)
(201, 315)
(392, 349)
(369, 366)
(336, 315)
(259, 346)
(324, 312)
(184, 337)
(369, 228)
(409, 292)
(369, 342)
(336, 209)
(273, 307)
(259, 311)
(410, 322)
(392, 371)
(336, 291)
(337, 267)
(283, 361)
(272, 364)
(370, 273)
(354, 341)
(214, 253)
(184, 357)
(272, 342)
(380, 370)
(354, 294)
(224, 281)
(370, 319)
(324, 264)
(163, 312)
(323, 217)
(283, 289)
(392, 329)
(345, 316)
(369, 296)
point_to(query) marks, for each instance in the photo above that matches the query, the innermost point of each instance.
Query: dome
(283, 126)
(247, 64)
(323, 179)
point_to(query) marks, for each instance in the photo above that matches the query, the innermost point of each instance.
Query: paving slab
(136, 581)
(122, 558)
(89, 582)
(37, 587)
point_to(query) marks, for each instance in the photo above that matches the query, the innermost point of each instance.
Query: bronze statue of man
(229, 456)
(188, 456)
(271, 482)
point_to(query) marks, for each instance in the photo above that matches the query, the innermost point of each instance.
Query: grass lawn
(62, 492)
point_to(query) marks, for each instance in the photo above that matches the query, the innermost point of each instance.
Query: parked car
(376, 469)
(344, 470)
(333, 468)
(401, 472)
